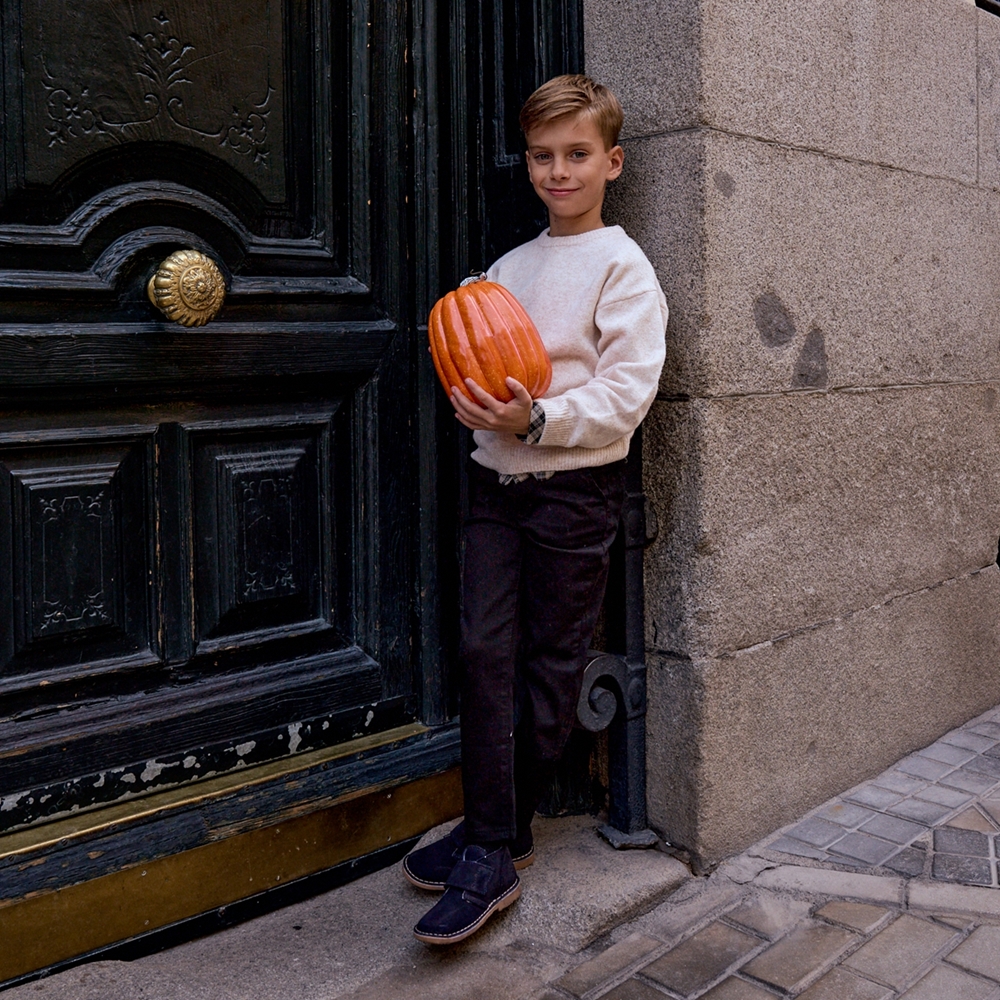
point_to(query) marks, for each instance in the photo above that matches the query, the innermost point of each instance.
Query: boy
(546, 494)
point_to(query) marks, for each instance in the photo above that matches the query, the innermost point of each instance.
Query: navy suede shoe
(479, 885)
(429, 867)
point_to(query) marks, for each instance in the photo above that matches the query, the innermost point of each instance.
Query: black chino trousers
(534, 574)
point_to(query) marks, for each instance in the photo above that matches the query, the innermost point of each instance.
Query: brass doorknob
(188, 288)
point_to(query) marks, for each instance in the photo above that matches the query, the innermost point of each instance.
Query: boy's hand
(492, 415)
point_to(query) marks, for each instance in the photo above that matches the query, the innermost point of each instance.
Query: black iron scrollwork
(613, 696)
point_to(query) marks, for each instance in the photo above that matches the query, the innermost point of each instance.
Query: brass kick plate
(51, 927)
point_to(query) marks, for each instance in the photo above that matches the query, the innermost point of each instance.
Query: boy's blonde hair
(574, 94)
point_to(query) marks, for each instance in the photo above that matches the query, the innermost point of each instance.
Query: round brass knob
(188, 288)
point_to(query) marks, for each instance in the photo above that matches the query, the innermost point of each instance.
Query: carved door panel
(206, 533)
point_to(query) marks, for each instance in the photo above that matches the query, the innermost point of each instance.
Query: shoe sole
(510, 896)
(519, 865)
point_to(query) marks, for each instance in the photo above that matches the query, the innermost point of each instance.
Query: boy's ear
(617, 157)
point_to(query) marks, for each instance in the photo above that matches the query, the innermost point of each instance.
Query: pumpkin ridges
(482, 332)
(523, 353)
(446, 370)
(539, 362)
(460, 349)
(502, 345)
(479, 326)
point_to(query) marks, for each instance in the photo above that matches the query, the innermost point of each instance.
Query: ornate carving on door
(155, 67)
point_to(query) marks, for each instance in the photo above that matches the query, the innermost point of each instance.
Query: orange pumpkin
(480, 331)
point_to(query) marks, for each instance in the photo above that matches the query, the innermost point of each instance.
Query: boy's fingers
(520, 393)
(461, 401)
(489, 413)
(481, 394)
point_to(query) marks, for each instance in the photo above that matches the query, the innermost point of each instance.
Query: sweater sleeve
(631, 348)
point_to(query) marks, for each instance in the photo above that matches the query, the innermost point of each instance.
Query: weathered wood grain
(201, 819)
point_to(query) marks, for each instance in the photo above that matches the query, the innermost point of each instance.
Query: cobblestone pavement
(887, 891)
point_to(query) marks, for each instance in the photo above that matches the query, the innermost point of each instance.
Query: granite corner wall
(817, 183)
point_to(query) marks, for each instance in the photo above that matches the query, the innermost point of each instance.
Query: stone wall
(818, 185)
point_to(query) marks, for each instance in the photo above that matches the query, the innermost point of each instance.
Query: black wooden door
(208, 551)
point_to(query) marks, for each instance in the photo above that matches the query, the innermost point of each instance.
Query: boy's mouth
(561, 192)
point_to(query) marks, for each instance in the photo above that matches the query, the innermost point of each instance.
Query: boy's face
(569, 168)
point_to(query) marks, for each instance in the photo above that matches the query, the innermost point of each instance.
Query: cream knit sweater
(602, 316)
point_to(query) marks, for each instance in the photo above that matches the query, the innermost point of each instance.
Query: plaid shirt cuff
(509, 478)
(536, 424)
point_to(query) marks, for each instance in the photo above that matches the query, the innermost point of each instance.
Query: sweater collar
(605, 232)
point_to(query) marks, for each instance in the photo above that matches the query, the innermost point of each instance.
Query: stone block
(485, 977)
(899, 831)
(910, 862)
(947, 754)
(874, 796)
(840, 77)
(647, 52)
(739, 746)
(353, 941)
(609, 963)
(795, 960)
(785, 270)
(633, 989)
(872, 851)
(701, 958)
(736, 989)
(817, 832)
(968, 781)
(928, 813)
(846, 814)
(933, 897)
(769, 914)
(742, 869)
(839, 984)
(980, 952)
(943, 982)
(989, 99)
(785, 845)
(921, 767)
(690, 905)
(860, 917)
(969, 741)
(824, 273)
(989, 766)
(659, 200)
(972, 819)
(905, 784)
(954, 868)
(967, 842)
(945, 796)
(825, 882)
(896, 955)
(965, 923)
(580, 888)
(780, 512)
